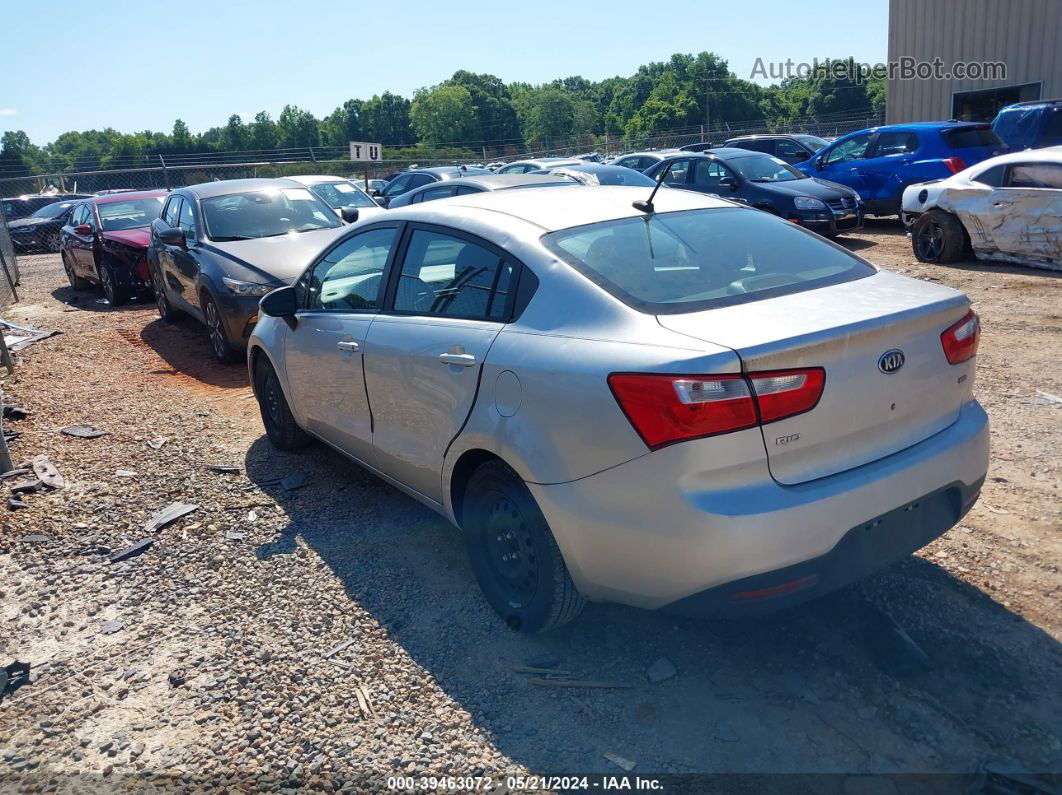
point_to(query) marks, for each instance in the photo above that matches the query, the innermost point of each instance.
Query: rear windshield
(342, 194)
(966, 137)
(699, 259)
(129, 214)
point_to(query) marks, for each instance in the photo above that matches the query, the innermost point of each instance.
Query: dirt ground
(217, 673)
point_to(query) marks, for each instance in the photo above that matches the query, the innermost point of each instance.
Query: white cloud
(8, 112)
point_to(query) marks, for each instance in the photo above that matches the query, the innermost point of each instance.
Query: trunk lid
(864, 413)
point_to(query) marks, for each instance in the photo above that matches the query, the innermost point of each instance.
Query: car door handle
(347, 345)
(460, 359)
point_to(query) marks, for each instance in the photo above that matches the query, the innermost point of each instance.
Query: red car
(105, 242)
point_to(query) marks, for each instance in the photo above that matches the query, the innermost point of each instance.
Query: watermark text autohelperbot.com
(903, 68)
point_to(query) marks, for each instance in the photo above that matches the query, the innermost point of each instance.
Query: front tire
(115, 290)
(220, 346)
(166, 311)
(513, 553)
(283, 432)
(938, 238)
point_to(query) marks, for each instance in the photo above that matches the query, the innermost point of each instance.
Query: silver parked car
(682, 404)
(339, 193)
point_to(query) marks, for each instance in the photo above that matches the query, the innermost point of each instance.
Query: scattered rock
(168, 514)
(110, 627)
(82, 431)
(661, 670)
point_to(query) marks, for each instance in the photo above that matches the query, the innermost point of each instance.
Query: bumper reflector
(776, 590)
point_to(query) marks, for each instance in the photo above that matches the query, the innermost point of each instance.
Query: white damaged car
(1005, 208)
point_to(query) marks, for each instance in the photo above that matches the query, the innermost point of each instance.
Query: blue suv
(1030, 125)
(880, 162)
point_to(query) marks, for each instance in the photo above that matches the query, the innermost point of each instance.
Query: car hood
(22, 223)
(138, 237)
(814, 187)
(282, 258)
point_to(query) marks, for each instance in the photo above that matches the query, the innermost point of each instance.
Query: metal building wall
(1025, 34)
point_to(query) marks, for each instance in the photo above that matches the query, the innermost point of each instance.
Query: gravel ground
(204, 662)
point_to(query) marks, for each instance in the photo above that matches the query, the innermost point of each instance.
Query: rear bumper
(687, 527)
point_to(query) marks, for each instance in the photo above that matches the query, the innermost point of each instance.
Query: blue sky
(132, 66)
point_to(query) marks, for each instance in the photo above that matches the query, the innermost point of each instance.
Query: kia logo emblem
(891, 361)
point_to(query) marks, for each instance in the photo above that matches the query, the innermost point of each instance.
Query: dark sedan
(408, 180)
(15, 207)
(477, 184)
(41, 231)
(766, 183)
(601, 174)
(794, 148)
(220, 246)
(105, 240)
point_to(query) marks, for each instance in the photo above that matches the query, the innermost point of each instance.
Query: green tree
(344, 124)
(263, 132)
(386, 119)
(444, 114)
(493, 104)
(670, 104)
(297, 127)
(181, 137)
(234, 135)
(18, 156)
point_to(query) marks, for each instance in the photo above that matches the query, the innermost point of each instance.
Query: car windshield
(265, 213)
(765, 168)
(668, 263)
(812, 141)
(52, 210)
(129, 214)
(342, 194)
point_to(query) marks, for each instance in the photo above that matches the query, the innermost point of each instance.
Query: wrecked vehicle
(105, 242)
(656, 398)
(1006, 208)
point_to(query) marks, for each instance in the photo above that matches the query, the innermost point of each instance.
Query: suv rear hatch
(865, 413)
(972, 143)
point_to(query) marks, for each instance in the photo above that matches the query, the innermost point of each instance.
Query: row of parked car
(617, 390)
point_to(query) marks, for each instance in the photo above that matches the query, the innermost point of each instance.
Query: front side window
(397, 185)
(678, 173)
(172, 211)
(187, 221)
(445, 275)
(431, 194)
(1035, 175)
(419, 179)
(129, 214)
(265, 213)
(79, 215)
(851, 149)
(350, 277)
(700, 259)
(765, 168)
(342, 194)
(708, 173)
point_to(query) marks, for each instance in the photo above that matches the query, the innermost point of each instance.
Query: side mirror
(820, 164)
(382, 200)
(279, 303)
(374, 193)
(84, 230)
(172, 236)
(728, 182)
(349, 214)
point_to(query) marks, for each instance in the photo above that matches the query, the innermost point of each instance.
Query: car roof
(720, 153)
(225, 187)
(551, 209)
(1048, 154)
(761, 136)
(318, 179)
(113, 198)
(1032, 104)
(497, 181)
(651, 153)
(446, 170)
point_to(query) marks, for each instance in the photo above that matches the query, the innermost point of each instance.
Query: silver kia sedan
(688, 405)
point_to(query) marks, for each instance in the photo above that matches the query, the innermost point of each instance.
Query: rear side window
(700, 259)
(1035, 175)
(445, 275)
(993, 177)
(431, 194)
(895, 143)
(966, 137)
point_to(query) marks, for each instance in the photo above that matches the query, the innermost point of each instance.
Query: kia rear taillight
(954, 164)
(665, 409)
(960, 339)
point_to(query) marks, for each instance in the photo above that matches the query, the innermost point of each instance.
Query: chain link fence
(9, 273)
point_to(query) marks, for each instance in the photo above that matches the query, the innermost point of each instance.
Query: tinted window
(78, 216)
(1053, 124)
(52, 210)
(10, 210)
(964, 137)
(436, 193)
(697, 259)
(755, 146)
(678, 172)
(172, 211)
(129, 214)
(444, 275)
(397, 185)
(1035, 175)
(852, 149)
(813, 142)
(265, 213)
(350, 276)
(790, 151)
(764, 168)
(993, 177)
(707, 173)
(342, 194)
(187, 221)
(463, 190)
(419, 179)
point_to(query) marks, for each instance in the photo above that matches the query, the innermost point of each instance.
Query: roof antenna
(646, 205)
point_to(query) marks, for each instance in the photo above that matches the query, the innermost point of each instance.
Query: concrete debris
(661, 670)
(168, 514)
(619, 761)
(48, 474)
(141, 546)
(82, 431)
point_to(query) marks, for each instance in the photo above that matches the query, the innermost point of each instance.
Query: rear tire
(166, 311)
(220, 346)
(938, 238)
(513, 553)
(283, 432)
(76, 282)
